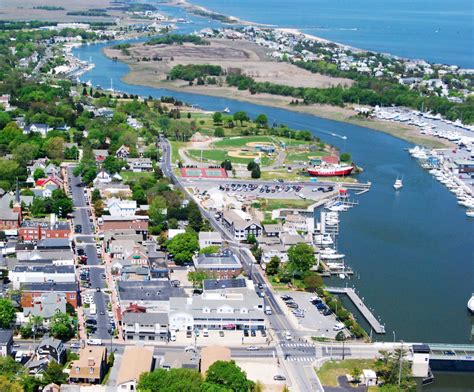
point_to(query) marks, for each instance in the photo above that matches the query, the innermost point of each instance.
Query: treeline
(368, 91)
(213, 15)
(34, 24)
(48, 8)
(179, 39)
(91, 12)
(193, 71)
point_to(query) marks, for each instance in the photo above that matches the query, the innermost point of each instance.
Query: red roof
(43, 181)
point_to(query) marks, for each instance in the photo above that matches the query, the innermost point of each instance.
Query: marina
(376, 326)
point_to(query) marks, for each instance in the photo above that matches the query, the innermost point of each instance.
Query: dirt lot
(249, 57)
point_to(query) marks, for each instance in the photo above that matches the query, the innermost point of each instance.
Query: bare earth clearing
(249, 57)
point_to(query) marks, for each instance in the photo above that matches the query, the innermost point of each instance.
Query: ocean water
(440, 31)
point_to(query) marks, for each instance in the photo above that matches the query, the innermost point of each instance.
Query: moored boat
(330, 170)
(470, 304)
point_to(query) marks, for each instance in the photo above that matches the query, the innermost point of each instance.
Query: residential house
(118, 207)
(135, 361)
(91, 366)
(6, 342)
(9, 219)
(44, 187)
(145, 326)
(38, 274)
(113, 190)
(210, 238)
(180, 359)
(240, 224)
(51, 348)
(42, 129)
(138, 165)
(272, 230)
(102, 178)
(5, 102)
(127, 253)
(100, 155)
(30, 291)
(223, 265)
(123, 152)
(295, 223)
(46, 305)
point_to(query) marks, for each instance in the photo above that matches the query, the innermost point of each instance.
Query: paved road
(81, 217)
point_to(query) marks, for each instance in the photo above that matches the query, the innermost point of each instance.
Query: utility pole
(400, 365)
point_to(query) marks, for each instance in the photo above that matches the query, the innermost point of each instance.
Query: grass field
(131, 176)
(175, 146)
(303, 156)
(331, 370)
(243, 140)
(220, 155)
(275, 204)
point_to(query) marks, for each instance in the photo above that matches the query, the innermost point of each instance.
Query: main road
(86, 240)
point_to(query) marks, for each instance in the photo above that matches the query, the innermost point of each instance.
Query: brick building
(29, 291)
(35, 230)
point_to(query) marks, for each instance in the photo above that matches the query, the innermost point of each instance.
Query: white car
(338, 327)
(253, 348)
(288, 336)
(190, 349)
(110, 314)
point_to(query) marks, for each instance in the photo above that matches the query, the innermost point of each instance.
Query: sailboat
(398, 184)
(470, 303)
(111, 85)
(226, 110)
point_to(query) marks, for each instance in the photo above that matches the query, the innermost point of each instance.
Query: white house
(103, 178)
(39, 274)
(118, 207)
(209, 238)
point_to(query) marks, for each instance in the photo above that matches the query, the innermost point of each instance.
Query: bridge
(359, 304)
(450, 357)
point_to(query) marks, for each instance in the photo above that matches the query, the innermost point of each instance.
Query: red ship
(330, 170)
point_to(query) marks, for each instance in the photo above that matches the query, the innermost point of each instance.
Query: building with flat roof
(178, 360)
(223, 265)
(135, 361)
(139, 223)
(210, 238)
(34, 230)
(212, 354)
(29, 291)
(145, 326)
(38, 274)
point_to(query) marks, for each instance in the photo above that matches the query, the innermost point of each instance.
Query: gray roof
(7, 198)
(5, 336)
(226, 259)
(48, 341)
(54, 243)
(61, 225)
(219, 284)
(7, 214)
(153, 290)
(231, 216)
(50, 286)
(113, 218)
(58, 269)
(210, 235)
(145, 318)
(273, 228)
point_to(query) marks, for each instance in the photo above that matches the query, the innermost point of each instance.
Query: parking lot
(312, 318)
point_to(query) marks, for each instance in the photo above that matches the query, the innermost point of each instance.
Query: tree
(183, 246)
(219, 132)
(226, 165)
(251, 165)
(313, 281)
(39, 173)
(345, 157)
(54, 147)
(209, 250)
(61, 326)
(7, 313)
(241, 116)
(157, 209)
(251, 239)
(262, 120)
(7, 385)
(197, 277)
(273, 266)
(113, 165)
(8, 171)
(194, 216)
(25, 153)
(393, 365)
(355, 374)
(300, 258)
(172, 380)
(256, 172)
(54, 374)
(226, 375)
(217, 118)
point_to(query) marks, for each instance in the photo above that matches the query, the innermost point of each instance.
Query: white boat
(470, 303)
(323, 239)
(331, 254)
(398, 184)
(226, 110)
(470, 213)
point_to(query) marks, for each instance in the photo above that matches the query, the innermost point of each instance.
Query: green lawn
(175, 146)
(303, 156)
(275, 204)
(241, 141)
(131, 176)
(331, 370)
(219, 155)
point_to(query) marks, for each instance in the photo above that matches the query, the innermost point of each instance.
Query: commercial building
(39, 274)
(30, 291)
(34, 230)
(223, 265)
(138, 223)
(145, 326)
(209, 238)
(240, 224)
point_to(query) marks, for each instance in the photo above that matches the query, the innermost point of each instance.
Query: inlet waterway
(413, 250)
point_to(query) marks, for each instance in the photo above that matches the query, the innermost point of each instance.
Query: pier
(364, 310)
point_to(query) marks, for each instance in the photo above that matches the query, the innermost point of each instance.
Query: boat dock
(359, 304)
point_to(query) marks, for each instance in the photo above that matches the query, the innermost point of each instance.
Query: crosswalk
(296, 345)
(301, 359)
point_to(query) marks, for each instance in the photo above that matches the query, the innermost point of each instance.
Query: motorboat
(323, 239)
(470, 304)
(398, 184)
(226, 110)
(470, 213)
(330, 254)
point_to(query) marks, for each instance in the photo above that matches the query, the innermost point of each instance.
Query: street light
(393, 336)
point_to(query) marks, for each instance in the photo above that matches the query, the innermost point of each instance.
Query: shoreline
(335, 113)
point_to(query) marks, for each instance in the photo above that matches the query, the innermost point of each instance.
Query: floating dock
(364, 310)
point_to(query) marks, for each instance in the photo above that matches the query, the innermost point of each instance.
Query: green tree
(54, 147)
(262, 120)
(217, 118)
(183, 246)
(345, 157)
(251, 165)
(7, 385)
(300, 258)
(256, 173)
(39, 173)
(194, 216)
(209, 250)
(241, 116)
(113, 165)
(355, 374)
(173, 380)
(392, 366)
(24, 153)
(61, 326)
(156, 210)
(219, 132)
(273, 266)
(197, 277)
(54, 374)
(251, 239)
(227, 376)
(227, 165)
(313, 281)
(8, 171)
(7, 313)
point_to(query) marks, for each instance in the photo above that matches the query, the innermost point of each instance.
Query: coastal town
(148, 244)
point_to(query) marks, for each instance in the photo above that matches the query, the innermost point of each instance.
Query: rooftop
(226, 259)
(50, 286)
(153, 290)
(145, 318)
(218, 284)
(51, 269)
(5, 335)
(135, 361)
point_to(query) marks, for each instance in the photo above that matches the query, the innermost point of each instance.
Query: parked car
(253, 348)
(246, 332)
(253, 333)
(279, 377)
(189, 334)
